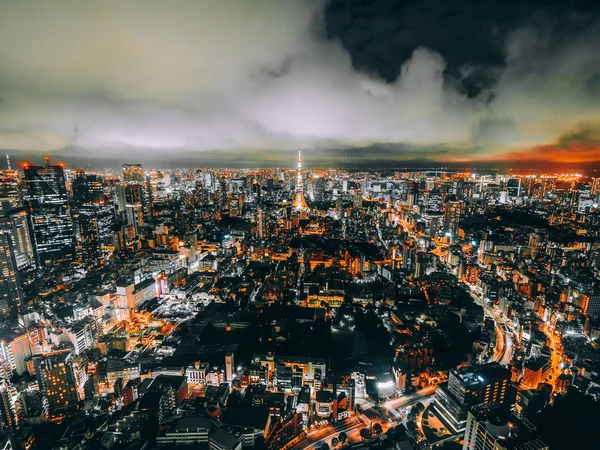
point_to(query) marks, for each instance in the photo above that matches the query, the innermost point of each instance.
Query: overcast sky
(357, 82)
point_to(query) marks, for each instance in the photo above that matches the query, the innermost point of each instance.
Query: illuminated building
(134, 205)
(466, 387)
(56, 379)
(8, 411)
(229, 366)
(9, 185)
(14, 352)
(492, 427)
(93, 214)
(285, 432)
(10, 284)
(196, 373)
(197, 430)
(260, 219)
(288, 371)
(227, 240)
(156, 187)
(133, 197)
(16, 223)
(319, 190)
(48, 204)
(325, 404)
(452, 215)
(591, 305)
(534, 371)
(299, 201)
(513, 186)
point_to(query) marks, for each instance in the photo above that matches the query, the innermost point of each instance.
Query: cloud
(153, 78)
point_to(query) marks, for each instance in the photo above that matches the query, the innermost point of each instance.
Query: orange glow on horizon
(550, 153)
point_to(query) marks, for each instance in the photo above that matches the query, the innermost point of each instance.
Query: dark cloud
(246, 82)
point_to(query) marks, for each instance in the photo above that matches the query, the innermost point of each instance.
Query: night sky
(354, 82)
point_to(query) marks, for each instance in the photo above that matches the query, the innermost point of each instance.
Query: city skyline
(354, 83)
(299, 224)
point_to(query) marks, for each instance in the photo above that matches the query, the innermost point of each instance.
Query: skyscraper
(470, 386)
(94, 216)
(260, 219)
(16, 223)
(48, 204)
(136, 199)
(8, 411)
(9, 185)
(299, 201)
(492, 427)
(56, 378)
(10, 285)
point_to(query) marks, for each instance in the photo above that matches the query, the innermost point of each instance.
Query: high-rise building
(48, 204)
(320, 185)
(9, 185)
(469, 386)
(137, 199)
(134, 205)
(94, 216)
(491, 426)
(156, 187)
(56, 378)
(513, 186)
(10, 284)
(260, 219)
(16, 223)
(229, 366)
(8, 410)
(299, 201)
(452, 214)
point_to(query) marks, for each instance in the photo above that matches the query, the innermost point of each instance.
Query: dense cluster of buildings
(277, 309)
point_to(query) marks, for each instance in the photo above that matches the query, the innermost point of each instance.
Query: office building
(492, 427)
(16, 223)
(47, 200)
(9, 185)
(8, 410)
(11, 295)
(56, 378)
(470, 386)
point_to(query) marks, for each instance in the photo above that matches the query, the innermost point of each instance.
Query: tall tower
(299, 202)
(47, 201)
(10, 285)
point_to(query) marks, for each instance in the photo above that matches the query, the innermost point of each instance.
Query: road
(555, 354)
(323, 435)
(504, 342)
(318, 437)
(405, 400)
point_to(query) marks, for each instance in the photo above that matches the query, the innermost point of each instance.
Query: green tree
(365, 433)
(342, 437)
(377, 429)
